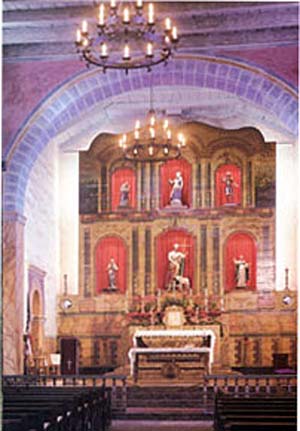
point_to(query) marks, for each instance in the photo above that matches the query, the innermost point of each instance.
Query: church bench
(41, 408)
(259, 426)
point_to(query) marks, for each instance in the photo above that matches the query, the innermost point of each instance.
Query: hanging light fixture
(153, 143)
(125, 37)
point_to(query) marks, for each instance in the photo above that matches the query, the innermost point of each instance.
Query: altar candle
(139, 4)
(103, 53)
(149, 49)
(136, 134)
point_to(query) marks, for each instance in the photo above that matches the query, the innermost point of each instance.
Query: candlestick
(152, 132)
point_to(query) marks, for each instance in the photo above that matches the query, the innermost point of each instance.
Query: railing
(235, 384)
(116, 383)
(248, 385)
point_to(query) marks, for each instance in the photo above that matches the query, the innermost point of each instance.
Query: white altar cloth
(133, 352)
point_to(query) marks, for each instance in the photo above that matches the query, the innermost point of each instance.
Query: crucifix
(69, 364)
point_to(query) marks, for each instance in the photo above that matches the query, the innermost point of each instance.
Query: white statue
(176, 277)
(241, 272)
(176, 192)
(112, 269)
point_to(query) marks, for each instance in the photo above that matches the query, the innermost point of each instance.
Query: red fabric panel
(119, 177)
(164, 244)
(236, 178)
(107, 248)
(239, 244)
(167, 172)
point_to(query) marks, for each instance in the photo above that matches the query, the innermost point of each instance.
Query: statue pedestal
(176, 205)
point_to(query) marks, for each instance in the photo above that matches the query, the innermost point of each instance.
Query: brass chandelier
(154, 143)
(125, 26)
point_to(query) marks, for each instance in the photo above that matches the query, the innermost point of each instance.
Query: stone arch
(66, 104)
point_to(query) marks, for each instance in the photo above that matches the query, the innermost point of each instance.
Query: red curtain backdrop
(165, 243)
(108, 247)
(119, 177)
(220, 176)
(239, 244)
(168, 172)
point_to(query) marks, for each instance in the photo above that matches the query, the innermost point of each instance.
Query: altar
(172, 353)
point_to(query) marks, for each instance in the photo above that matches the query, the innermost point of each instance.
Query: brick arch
(65, 106)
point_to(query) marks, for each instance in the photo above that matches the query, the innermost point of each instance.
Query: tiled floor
(161, 426)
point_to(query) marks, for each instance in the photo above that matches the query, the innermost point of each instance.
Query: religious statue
(124, 194)
(112, 269)
(176, 269)
(241, 272)
(229, 184)
(176, 192)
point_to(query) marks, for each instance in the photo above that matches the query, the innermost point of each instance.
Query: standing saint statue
(112, 269)
(229, 184)
(241, 272)
(176, 192)
(176, 268)
(124, 194)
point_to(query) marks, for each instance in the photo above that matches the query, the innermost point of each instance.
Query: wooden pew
(255, 413)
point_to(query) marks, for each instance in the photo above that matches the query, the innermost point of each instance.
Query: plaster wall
(41, 229)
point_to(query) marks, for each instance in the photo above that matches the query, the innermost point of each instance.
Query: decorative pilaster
(203, 258)
(152, 186)
(143, 186)
(208, 185)
(135, 260)
(147, 261)
(216, 260)
(13, 292)
(198, 201)
(104, 188)
(86, 262)
(249, 185)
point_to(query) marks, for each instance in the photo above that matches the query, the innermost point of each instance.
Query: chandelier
(125, 27)
(153, 143)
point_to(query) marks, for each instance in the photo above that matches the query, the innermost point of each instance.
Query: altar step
(165, 403)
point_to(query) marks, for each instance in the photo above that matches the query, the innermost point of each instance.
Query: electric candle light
(167, 40)
(152, 132)
(174, 33)
(126, 55)
(104, 50)
(152, 120)
(135, 151)
(85, 42)
(139, 4)
(166, 124)
(151, 151)
(78, 36)
(101, 15)
(121, 143)
(169, 134)
(151, 14)
(166, 150)
(113, 4)
(149, 49)
(168, 24)
(136, 135)
(137, 124)
(84, 26)
(126, 16)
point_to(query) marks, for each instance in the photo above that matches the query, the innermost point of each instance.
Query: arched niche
(36, 311)
(168, 172)
(107, 248)
(122, 179)
(164, 244)
(228, 185)
(240, 246)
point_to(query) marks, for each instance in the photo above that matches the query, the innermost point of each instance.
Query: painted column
(13, 292)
